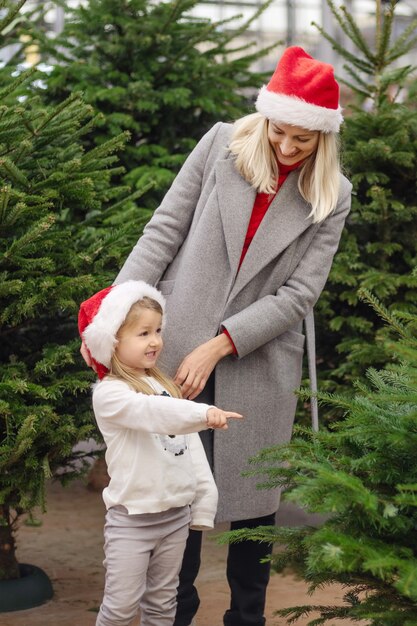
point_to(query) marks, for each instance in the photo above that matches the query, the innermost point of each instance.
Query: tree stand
(31, 589)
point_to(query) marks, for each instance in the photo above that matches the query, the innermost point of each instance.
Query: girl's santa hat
(302, 92)
(101, 316)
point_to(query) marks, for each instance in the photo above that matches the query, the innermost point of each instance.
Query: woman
(241, 247)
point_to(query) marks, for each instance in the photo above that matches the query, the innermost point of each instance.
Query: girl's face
(140, 342)
(292, 143)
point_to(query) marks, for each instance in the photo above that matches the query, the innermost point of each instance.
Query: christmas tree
(362, 476)
(156, 70)
(55, 199)
(379, 245)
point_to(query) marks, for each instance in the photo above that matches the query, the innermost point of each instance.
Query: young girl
(160, 480)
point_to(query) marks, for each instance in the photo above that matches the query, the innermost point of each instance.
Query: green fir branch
(366, 296)
(13, 10)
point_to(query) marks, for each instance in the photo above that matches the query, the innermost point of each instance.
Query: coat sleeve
(272, 315)
(204, 505)
(116, 406)
(167, 229)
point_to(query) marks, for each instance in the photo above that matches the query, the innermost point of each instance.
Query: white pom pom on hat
(101, 316)
(302, 92)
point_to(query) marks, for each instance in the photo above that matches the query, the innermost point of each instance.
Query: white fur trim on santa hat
(297, 112)
(100, 334)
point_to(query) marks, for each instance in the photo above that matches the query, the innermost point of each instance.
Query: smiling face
(140, 341)
(292, 143)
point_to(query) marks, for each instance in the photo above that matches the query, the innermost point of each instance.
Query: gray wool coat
(190, 250)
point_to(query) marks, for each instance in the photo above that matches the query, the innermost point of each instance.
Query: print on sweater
(176, 444)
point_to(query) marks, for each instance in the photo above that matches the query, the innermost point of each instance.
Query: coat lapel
(236, 198)
(286, 219)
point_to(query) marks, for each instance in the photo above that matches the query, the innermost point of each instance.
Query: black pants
(247, 577)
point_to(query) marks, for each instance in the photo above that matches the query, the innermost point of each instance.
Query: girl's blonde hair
(256, 162)
(129, 374)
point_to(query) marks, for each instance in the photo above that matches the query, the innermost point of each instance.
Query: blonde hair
(129, 374)
(256, 162)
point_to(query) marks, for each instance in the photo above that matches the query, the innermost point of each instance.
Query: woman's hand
(193, 373)
(217, 418)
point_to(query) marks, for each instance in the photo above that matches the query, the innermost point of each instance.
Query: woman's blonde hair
(129, 374)
(256, 162)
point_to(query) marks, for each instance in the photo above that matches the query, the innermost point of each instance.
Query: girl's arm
(116, 405)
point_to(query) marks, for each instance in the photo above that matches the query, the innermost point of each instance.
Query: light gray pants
(143, 559)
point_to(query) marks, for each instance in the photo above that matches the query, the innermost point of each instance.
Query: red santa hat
(302, 92)
(101, 316)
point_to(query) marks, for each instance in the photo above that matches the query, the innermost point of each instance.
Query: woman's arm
(272, 315)
(169, 225)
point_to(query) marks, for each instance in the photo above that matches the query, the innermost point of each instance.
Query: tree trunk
(8, 563)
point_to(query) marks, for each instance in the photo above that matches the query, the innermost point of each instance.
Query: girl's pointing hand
(216, 418)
